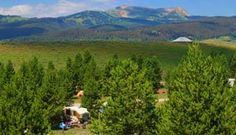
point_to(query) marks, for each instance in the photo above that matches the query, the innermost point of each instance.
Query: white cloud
(61, 8)
(23, 10)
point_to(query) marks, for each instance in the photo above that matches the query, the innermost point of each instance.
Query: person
(84, 121)
(63, 126)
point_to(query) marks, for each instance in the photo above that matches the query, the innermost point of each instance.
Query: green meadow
(169, 54)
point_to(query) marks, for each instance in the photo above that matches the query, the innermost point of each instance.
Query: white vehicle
(77, 115)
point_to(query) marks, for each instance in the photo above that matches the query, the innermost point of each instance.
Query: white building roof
(182, 39)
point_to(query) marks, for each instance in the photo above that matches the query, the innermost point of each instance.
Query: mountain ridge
(123, 22)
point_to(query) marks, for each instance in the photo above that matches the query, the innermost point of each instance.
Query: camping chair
(74, 121)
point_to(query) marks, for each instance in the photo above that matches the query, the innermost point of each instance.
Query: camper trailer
(78, 116)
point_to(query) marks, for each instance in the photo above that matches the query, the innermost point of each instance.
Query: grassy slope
(221, 43)
(169, 54)
(75, 131)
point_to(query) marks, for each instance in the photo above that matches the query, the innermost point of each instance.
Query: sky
(55, 8)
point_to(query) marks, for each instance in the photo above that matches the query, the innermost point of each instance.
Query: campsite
(117, 67)
(93, 104)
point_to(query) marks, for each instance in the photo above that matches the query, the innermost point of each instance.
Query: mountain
(11, 19)
(206, 27)
(121, 23)
(160, 14)
(90, 18)
(87, 19)
(136, 16)
(12, 27)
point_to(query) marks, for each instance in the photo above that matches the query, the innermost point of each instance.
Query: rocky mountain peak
(178, 10)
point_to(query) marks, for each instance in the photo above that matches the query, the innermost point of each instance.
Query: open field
(58, 52)
(220, 43)
(74, 131)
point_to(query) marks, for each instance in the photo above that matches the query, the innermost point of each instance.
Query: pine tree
(139, 59)
(68, 75)
(113, 62)
(152, 65)
(200, 100)
(52, 94)
(36, 73)
(131, 103)
(2, 74)
(111, 65)
(9, 72)
(78, 72)
(87, 57)
(91, 97)
(30, 75)
(21, 110)
(232, 66)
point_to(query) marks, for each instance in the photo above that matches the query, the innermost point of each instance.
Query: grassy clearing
(220, 43)
(58, 52)
(74, 131)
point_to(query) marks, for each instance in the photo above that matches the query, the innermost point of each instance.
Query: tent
(231, 82)
(183, 40)
(77, 115)
(79, 112)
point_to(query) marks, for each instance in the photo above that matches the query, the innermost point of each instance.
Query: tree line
(121, 96)
(200, 98)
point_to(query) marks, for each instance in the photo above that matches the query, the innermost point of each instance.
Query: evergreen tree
(52, 94)
(36, 73)
(2, 74)
(87, 57)
(69, 65)
(78, 73)
(30, 75)
(21, 110)
(200, 100)
(91, 97)
(152, 65)
(9, 72)
(139, 59)
(68, 75)
(110, 65)
(232, 66)
(131, 104)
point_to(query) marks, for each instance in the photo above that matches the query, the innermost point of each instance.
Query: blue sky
(54, 8)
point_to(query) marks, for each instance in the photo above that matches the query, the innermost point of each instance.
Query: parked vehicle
(76, 116)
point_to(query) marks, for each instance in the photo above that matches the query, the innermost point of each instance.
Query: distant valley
(121, 23)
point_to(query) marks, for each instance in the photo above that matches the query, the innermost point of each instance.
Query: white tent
(75, 111)
(183, 39)
(79, 110)
(231, 82)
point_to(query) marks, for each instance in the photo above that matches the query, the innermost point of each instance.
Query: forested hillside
(122, 23)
